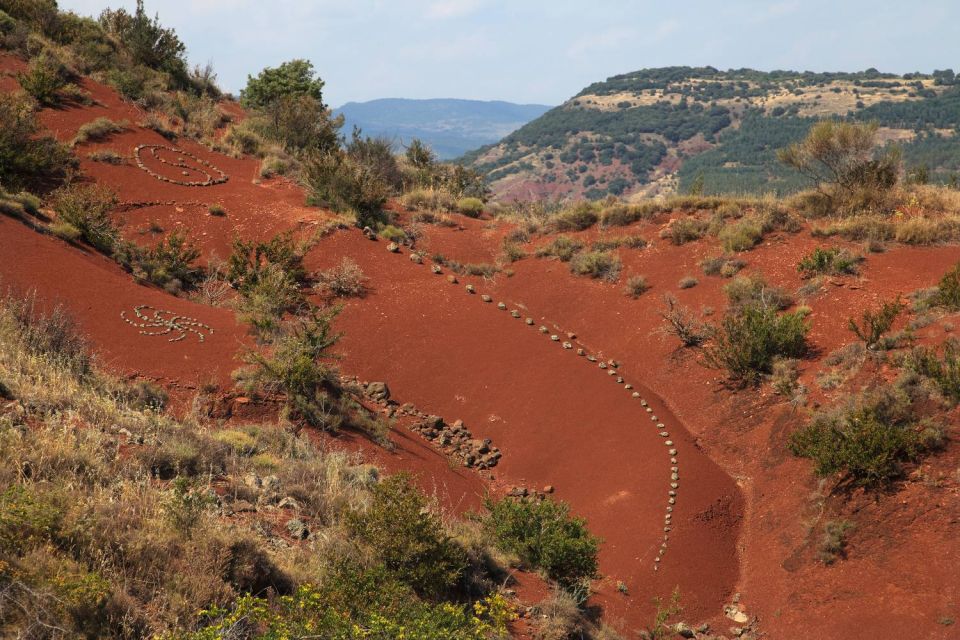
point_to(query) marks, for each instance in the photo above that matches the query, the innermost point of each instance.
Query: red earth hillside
(688, 482)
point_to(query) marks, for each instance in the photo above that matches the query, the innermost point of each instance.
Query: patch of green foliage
(751, 337)
(545, 536)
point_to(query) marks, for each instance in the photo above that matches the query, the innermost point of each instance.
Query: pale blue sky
(546, 50)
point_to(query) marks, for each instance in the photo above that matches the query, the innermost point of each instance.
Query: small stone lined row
(611, 366)
(154, 152)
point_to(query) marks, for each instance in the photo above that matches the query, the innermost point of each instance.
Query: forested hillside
(683, 128)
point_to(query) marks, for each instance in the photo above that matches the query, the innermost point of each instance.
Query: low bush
(945, 371)
(44, 79)
(948, 290)
(87, 208)
(97, 130)
(865, 441)
(750, 338)
(831, 261)
(544, 535)
(576, 218)
(753, 290)
(171, 263)
(684, 324)
(248, 259)
(725, 266)
(741, 236)
(601, 265)
(562, 248)
(409, 538)
(107, 156)
(28, 160)
(833, 542)
(512, 251)
(622, 215)
(686, 230)
(265, 299)
(605, 244)
(687, 282)
(471, 207)
(295, 369)
(337, 181)
(875, 324)
(430, 200)
(217, 210)
(636, 286)
(346, 280)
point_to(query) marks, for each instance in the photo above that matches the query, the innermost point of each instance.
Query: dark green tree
(293, 78)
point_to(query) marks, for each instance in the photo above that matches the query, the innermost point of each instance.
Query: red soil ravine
(558, 419)
(747, 433)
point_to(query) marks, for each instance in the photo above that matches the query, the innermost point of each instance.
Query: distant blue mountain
(451, 127)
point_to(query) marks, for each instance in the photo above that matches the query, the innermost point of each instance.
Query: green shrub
(170, 263)
(754, 290)
(596, 264)
(430, 200)
(28, 160)
(636, 286)
(336, 181)
(353, 603)
(687, 230)
(948, 291)
(687, 282)
(725, 266)
(876, 323)
(293, 78)
(740, 236)
(27, 519)
(45, 79)
(831, 261)
(512, 251)
(87, 209)
(393, 233)
(562, 247)
(409, 538)
(265, 299)
(471, 207)
(217, 210)
(944, 372)
(249, 258)
(186, 505)
(577, 218)
(605, 244)
(97, 130)
(620, 215)
(544, 535)
(294, 368)
(751, 337)
(866, 442)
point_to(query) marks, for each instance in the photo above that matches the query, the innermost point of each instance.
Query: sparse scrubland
(123, 517)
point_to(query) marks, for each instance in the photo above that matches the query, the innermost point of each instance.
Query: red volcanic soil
(747, 515)
(558, 419)
(95, 291)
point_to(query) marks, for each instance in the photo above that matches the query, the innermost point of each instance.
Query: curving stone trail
(611, 448)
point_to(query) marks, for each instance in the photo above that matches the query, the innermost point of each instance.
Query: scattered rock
(393, 247)
(486, 298)
(298, 529)
(470, 289)
(501, 306)
(683, 629)
(529, 321)
(378, 391)
(416, 258)
(452, 279)
(436, 269)
(515, 313)
(289, 503)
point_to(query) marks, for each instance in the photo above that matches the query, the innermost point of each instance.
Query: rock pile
(457, 441)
